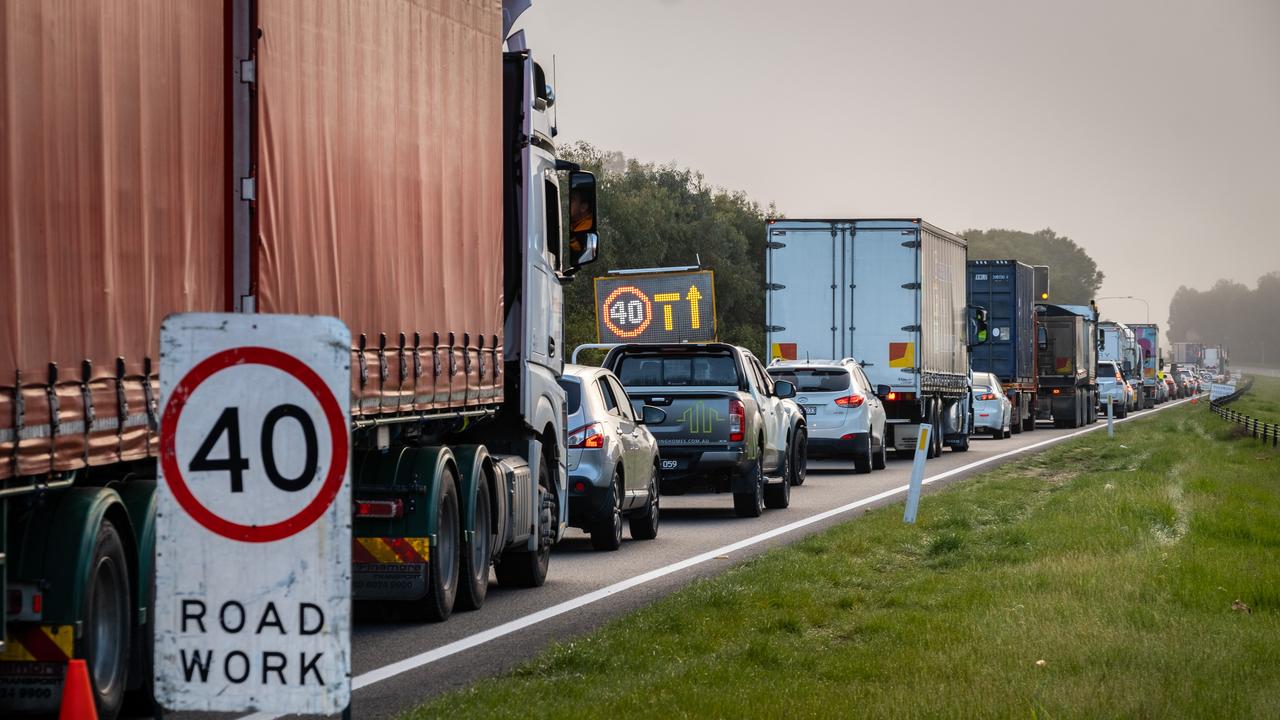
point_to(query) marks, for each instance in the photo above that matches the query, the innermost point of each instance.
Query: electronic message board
(656, 307)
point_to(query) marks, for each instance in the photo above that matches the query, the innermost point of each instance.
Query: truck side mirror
(977, 325)
(1042, 338)
(584, 242)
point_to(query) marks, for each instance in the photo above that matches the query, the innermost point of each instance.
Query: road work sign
(253, 517)
(656, 307)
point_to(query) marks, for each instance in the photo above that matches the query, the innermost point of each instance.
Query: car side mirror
(784, 389)
(650, 415)
(584, 242)
(883, 390)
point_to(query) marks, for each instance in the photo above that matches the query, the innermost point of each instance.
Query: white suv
(845, 417)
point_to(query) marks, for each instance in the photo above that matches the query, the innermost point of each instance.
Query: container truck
(1212, 358)
(1148, 338)
(892, 294)
(1187, 353)
(388, 164)
(1119, 344)
(1067, 351)
(1006, 290)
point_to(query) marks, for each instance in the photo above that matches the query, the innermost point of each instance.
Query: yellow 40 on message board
(628, 305)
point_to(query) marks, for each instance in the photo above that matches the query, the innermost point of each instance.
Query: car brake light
(588, 436)
(737, 416)
(851, 401)
(891, 396)
(987, 396)
(380, 508)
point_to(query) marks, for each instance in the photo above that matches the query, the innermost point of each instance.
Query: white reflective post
(917, 474)
(1111, 429)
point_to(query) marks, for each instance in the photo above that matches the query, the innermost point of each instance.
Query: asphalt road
(399, 665)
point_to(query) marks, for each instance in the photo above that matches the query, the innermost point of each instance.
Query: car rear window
(573, 394)
(813, 379)
(697, 370)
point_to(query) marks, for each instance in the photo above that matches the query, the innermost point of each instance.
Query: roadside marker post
(1111, 429)
(917, 474)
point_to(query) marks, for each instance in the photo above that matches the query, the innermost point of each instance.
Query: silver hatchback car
(612, 458)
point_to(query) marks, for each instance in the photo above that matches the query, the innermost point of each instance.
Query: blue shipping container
(1006, 288)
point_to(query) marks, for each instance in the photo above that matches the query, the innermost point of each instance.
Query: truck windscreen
(696, 370)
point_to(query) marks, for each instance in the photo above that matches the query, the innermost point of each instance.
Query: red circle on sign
(648, 312)
(169, 457)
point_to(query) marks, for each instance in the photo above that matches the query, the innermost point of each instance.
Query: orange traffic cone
(77, 695)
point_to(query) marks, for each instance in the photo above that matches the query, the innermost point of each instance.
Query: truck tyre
(477, 554)
(880, 460)
(750, 504)
(935, 437)
(777, 496)
(1015, 424)
(526, 568)
(606, 532)
(107, 621)
(443, 569)
(644, 523)
(1030, 423)
(799, 456)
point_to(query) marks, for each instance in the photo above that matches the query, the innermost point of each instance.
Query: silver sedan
(612, 458)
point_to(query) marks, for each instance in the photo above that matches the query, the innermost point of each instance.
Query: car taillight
(985, 396)
(737, 419)
(379, 508)
(851, 401)
(588, 436)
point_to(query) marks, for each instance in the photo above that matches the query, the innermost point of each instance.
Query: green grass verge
(1262, 401)
(1096, 579)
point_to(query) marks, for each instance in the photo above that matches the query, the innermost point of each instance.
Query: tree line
(1231, 315)
(662, 215)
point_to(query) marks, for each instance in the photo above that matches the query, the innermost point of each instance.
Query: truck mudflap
(389, 568)
(32, 667)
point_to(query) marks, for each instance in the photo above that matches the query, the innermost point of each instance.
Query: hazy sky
(1146, 130)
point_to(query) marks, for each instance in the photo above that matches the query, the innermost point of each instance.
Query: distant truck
(1148, 338)
(1006, 289)
(1067, 355)
(1212, 358)
(404, 180)
(890, 293)
(1119, 344)
(729, 426)
(1188, 353)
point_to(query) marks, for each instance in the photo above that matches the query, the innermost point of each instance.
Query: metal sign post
(253, 517)
(917, 474)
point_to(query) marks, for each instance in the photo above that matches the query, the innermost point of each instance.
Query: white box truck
(889, 293)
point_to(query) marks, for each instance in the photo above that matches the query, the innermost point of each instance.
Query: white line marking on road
(416, 661)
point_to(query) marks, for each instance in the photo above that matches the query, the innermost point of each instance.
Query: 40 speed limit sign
(253, 517)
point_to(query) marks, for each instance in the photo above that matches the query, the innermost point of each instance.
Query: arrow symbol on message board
(694, 296)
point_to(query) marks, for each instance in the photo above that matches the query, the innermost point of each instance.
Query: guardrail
(1260, 430)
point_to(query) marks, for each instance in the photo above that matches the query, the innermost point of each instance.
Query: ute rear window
(814, 379)
(657, 371)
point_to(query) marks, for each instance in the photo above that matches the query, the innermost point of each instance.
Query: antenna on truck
(555, 119)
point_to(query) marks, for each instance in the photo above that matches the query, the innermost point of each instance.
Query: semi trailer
(1188, 353)
(1067, 350)
(890, 292)
(1119, 344)
(390, 164)
(1148, 338)
(1006, 290)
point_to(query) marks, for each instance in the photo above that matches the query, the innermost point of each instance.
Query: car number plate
(670, 464)
(810, 409)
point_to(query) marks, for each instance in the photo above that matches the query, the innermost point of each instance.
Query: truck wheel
(477, 555)
(445, 558)
(107, 612)
(606, 532)
(644, 524)
(777, 496)
(1029, 424)
(751, 503)
(525, 568)
(935, 444)
(799, 457)
(1015, 423)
